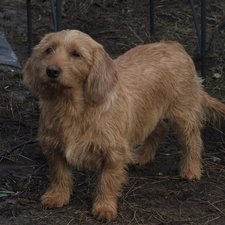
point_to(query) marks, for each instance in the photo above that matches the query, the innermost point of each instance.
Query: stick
(18, 146)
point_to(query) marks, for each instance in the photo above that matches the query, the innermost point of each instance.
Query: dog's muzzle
(53, 71)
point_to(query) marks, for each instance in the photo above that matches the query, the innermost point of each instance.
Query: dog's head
(70, 62)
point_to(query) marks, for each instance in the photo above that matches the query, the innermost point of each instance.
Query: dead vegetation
(154, 194)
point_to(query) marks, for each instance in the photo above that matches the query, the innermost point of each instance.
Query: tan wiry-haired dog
(96, 110)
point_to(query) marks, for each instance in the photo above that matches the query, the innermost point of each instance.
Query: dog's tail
(214, 108)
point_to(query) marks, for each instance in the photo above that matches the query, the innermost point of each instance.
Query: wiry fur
(98, 109)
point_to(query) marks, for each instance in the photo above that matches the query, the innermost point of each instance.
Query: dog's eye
(49, 50)
(75, 54)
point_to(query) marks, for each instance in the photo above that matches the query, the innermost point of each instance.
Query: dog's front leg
(108, 189)
(58, 194)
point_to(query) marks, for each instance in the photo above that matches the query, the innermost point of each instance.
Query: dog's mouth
(55, 83)
(52, 81)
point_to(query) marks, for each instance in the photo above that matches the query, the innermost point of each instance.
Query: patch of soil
(154, 194)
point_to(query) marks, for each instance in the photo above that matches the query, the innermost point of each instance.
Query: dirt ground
(154, 194)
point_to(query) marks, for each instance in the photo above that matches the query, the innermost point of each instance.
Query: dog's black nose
(53, 71)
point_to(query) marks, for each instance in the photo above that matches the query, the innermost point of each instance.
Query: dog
(102, 114)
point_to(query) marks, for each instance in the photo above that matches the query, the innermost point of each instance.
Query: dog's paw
(191, 175)
(104, 213)
(55, 199)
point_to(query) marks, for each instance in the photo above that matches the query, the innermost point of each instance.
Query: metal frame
(200, 35)
(56, 16)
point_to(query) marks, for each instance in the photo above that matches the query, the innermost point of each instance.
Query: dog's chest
(85, 155)
(84, 143)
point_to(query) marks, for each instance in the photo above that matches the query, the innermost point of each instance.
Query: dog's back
(160, 67)
(162, 78)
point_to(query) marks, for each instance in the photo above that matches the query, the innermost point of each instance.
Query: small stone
(216, 75)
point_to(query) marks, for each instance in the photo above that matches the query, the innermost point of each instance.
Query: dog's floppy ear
(102, 79)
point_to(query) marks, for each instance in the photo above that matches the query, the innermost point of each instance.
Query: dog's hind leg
(58, 194)
(145, 152)
(187, 125)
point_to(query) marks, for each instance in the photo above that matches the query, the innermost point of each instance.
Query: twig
(135, 34)
(215, 32)
(219, 210)
(70, 221)
(18, 146)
